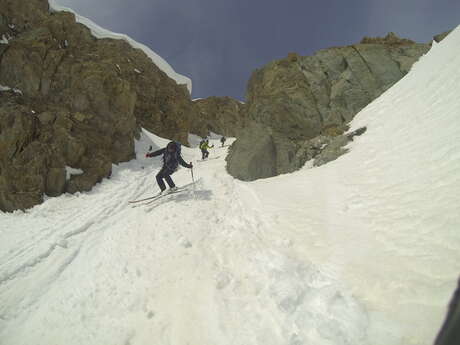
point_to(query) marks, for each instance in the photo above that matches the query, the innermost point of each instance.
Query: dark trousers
(204, 154)
(165, 173)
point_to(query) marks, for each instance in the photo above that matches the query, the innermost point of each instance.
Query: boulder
(300, 98)
(253, 158)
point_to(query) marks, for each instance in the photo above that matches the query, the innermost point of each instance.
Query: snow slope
(364, 250)
(99, 32)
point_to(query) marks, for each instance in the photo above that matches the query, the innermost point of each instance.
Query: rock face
(440, 37)
(450, 330)
(222, 115)
(77, 102)
(299, 101)
(71, 105)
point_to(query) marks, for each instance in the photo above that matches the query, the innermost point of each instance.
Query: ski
(149, 202)
(145, 199)
(207, 159)
(158, 196)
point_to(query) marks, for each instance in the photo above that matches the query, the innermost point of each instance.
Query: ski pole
(194, 187)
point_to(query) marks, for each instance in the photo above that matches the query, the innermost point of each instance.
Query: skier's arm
(156, 153)
(183, 163)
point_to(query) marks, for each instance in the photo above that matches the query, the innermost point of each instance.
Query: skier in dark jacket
(171, 161)
(222, 140)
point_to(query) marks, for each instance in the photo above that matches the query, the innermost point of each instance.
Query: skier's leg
(160, 181)
(170, 181)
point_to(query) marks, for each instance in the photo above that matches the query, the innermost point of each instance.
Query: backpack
(178, 147)
(171, 159)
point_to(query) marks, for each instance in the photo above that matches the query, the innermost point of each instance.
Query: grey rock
(297, 99)
(253, 158)
(440, 37)
(222, 115)
(327, 148)
(333, 149)
(450, 330)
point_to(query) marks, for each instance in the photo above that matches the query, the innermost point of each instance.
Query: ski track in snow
(182, 269)
(363, 250)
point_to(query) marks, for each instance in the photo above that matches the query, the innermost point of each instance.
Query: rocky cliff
(223, 115)
(299, 106)
(69, 100)
(71, 105)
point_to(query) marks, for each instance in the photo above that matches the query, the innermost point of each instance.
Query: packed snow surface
(364, 250)
(99, 32)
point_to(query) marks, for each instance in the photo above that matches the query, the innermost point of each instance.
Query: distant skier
(222, 140)
(204, 146)
(171, 160)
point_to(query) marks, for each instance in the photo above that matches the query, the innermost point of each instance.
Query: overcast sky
(218, 43)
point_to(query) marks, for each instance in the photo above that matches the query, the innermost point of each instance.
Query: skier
(171, 161)
(204, 146)
(222, 140)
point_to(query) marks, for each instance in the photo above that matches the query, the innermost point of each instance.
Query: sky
(219, 43)
(362, 250)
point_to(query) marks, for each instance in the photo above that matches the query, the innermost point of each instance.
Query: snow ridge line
(100, 32)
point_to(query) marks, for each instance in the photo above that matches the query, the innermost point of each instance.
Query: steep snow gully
(364, 250)
(186, 269)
